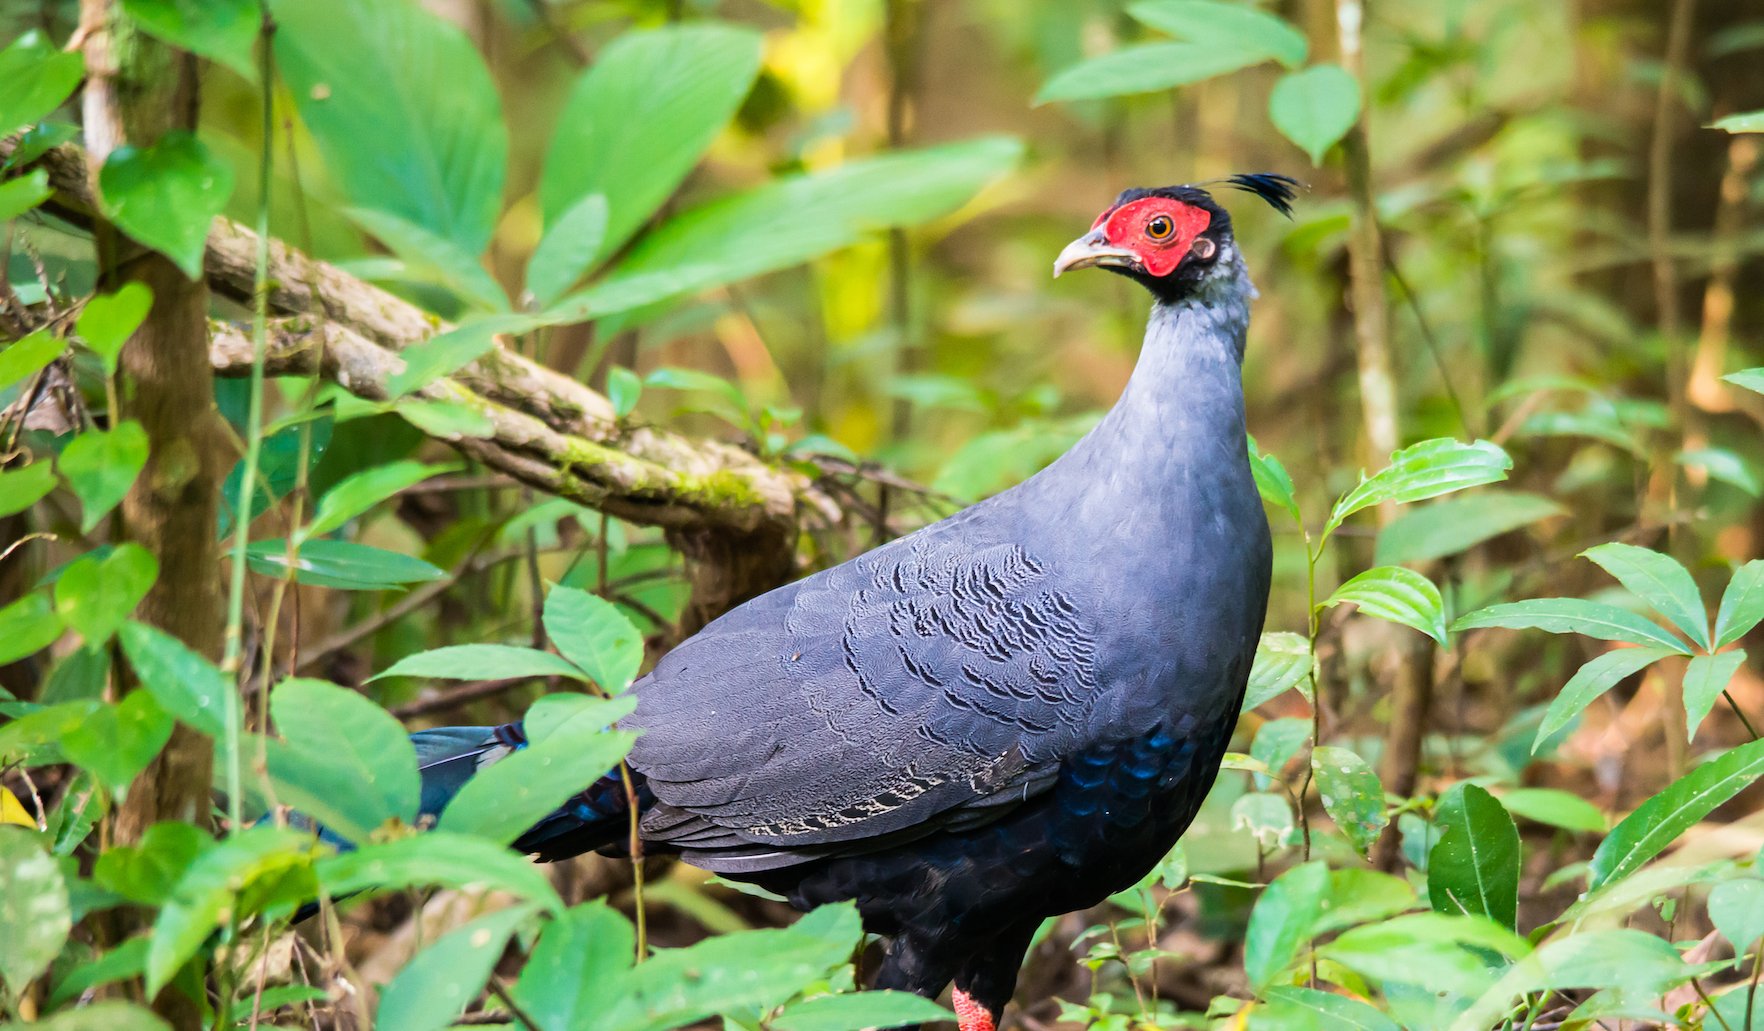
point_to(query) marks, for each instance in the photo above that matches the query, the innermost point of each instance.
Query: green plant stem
(1731, 704)
(1719, 1019)
(636, 848)
(1752, 988)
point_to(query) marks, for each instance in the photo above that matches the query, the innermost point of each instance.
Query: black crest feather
(1278, 190)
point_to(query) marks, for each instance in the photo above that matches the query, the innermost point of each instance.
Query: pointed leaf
(1440, 951)
(96, 594)
(855, 1011)
(1351, 794)
(1225, 25)
(434, 987)
(1705, 677)
(343, 565)
(1659, 821)
(100, 466)
(1283, 660)
(639, 118)
(1315, 108)
(1273, 482)
(1572, 616)
(116, 742)
(27, 626)
(1736, 908)
(436, 858)
(187, 685)
(431, 257)
(1751, 379)
(24, 486)
(34, 914)
(370, 763)
(592, 633)
(1750, 121)
(1658, 580)
(362, 491)
(1145, 68)
(1590, 681)
(35, 77)
(567, 250)
(23, 358)
(1421, 471)
(1397, 594)
(1742, 604)
(1455, 525)
(482, 662)
(576, 966)
(1474, 868)
(166, 195)
(403, 108)
(623, 388)
(1282, 921)
(220, 30)
(23, 194)
(1554, 807)
(1324, 1011)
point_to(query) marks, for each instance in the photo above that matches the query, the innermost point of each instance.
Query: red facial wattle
(1129, 226)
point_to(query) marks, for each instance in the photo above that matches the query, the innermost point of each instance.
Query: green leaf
(1315, 108)
(166, 195)
(1145, 68)
(1455, 525)
(1278, 741)
(1267, 817)
(1293, 1007)
(434, 987)
(207, 896)
(1397, 594)
(446, 420)
(344, 565)
(1742, 604)
(1351, 794)
(220, 30)
(592, 633)
(108, 320)
(1750, 379)
(623, 388)
(24, 486)
(119, 964)
(27, 626)
(1658, 580)
(1422, 471)
(1572, 616)
(1737, 910)
(187, 685)
(856, 1011)
(369, 764)
(445, 353)
(116, 742)
(567, 250)
(1283, 660)
(99, 1016)
(96, 594)
(147, 873)
(430, 257)
(1282, 921)
(576, 966)
(38, 140)
(1554, 807)
(482, 662)
(1225, 25)
(1724, 466)
(503, 800)
(356, 494)
(1474, 867)
(1630, 960)
(1272, 481)
(1659, 821)
(23, 358)
(35, 77)
(436, 858)
(637, 121)
(1437, 950)
(791, 220)
(100, 466)
(1750, 121)
(20, 195)
(33, 910)
(1705, 677)
(403, 109)
(1590, 681)
(1358, 896)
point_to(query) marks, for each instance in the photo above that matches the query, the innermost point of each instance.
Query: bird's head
(1172, 239)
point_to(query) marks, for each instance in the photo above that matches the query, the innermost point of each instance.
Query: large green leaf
(1631, 960)
(23, 194)
(166, 194)
(1282, 921)
(592, 633)
(1145, 68)
(116, 742)
(99, 1016)
(27, 626)
(1315, 108)
(428, 256)
(1351, 794)
(147, 873)
(638, 120)
(434, 987)
(1230, 25)
(100, 466)
(1572, 616)
(514, 793)
(221, 30)
(856, 1011)
(1474, 867)
(35, 77)
(1422, 471)
(1660, 581)
(343, 565)
(34, 915)
(1555, 807)
(369, 765)
(1750, 379)
(1273, 482)
(482, 662)
(1742, 604)
(1283, 660)
(567, 250)
(1291, 1008)
(576, 966)
(97, 593)
(1438, 950)
(1590, 681)
(356, 494)
(403, 108)
(1736, 908)
(24, 486)
(1456, 525)
(1749, 121)
(1705, 677)
(792, 220)
(1397, 594)
(186, 684)
(1659, 821)
(437, 858)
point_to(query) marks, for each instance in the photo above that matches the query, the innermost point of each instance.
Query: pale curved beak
(1090, 250)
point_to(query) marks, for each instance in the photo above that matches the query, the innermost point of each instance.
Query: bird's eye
(1160, 228)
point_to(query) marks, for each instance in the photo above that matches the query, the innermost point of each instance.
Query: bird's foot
(970, 1014)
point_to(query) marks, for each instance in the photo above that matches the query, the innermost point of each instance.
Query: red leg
(971, 1015)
